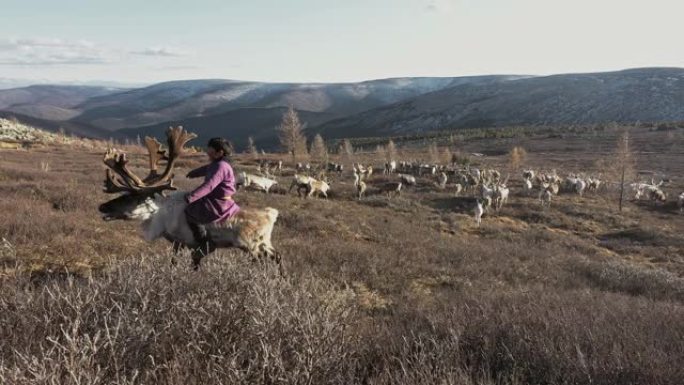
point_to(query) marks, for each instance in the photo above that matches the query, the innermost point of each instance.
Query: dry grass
(402, 290)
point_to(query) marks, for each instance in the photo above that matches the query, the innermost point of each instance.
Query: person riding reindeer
(212, 201)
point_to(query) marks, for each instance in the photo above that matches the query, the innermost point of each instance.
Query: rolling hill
(398, 106)
(650, 94)
(172, 101)
(50, 102)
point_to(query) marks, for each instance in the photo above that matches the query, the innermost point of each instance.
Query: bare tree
(391, 151)
(433, 152)
(251, 148)
(319, 152)
(347, 149)
(446, 155)
(624, 163)
(291, 132)
(380, 151)
(517, 158)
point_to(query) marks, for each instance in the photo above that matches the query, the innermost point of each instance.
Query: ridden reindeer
(163, 216)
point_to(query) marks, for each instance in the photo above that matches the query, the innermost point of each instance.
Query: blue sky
(330, 41)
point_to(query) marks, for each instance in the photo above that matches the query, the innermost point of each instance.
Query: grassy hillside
(402, 290)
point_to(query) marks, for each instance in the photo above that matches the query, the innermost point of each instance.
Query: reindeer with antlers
(248, 229)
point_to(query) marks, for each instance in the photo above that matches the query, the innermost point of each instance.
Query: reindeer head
(138, 198)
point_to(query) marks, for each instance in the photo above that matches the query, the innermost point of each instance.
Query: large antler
(121, 179)
(176, 140)
(156, 154)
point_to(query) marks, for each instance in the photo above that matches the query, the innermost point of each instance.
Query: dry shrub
(147, 323)
(68, 199)
(619, 277)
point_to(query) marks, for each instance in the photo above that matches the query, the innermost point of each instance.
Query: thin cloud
(177, 68)
(160, 52)
(53, 60)
(50, 51)
(440, 6)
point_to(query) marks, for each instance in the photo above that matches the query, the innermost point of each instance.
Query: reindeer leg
(197, 256)
(268, 252)
(177, 246)
(200, 252)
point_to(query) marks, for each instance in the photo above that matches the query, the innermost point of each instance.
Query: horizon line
(134, 84)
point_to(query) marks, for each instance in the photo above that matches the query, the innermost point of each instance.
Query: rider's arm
(198, 172)
(209, 184)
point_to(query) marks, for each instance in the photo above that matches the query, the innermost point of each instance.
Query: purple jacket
(206, 202)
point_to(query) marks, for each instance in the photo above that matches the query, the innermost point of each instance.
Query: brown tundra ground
(401, 290)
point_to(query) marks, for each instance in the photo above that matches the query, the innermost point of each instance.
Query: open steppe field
(381, 290)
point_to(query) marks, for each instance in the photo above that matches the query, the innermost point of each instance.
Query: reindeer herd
(486, 186)
(250, 230)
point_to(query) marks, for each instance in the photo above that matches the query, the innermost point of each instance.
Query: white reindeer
(301, 182)
(479, 210)
(442, 181)
(360, 185)
(408, 180)
(545, 194)
(256, 182)
(318, 187)
(527, 186)
(500, 196)
(390, 167)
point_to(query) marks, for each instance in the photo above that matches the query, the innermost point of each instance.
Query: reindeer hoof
(276, 257)
(196, 259)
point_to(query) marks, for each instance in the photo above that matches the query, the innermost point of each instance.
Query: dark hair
(220, 144)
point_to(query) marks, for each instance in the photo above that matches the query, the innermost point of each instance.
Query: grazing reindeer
(479, 210)
(390, 167)
(408, 180)
(317, 187)
(360, 185)
(303, 167)
(528, 174)
(163, 216)
(657, 195)
(486, 192)
(593, 184)
(442, 181)
(301, 182)
(391, 187)
(545, 194)
(500, 196)
(256, 182)
(527, 186)
(335, 167)
(680, 203)
(652, 191)
(363, 171)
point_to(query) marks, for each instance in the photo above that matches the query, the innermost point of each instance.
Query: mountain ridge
(381, 107)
